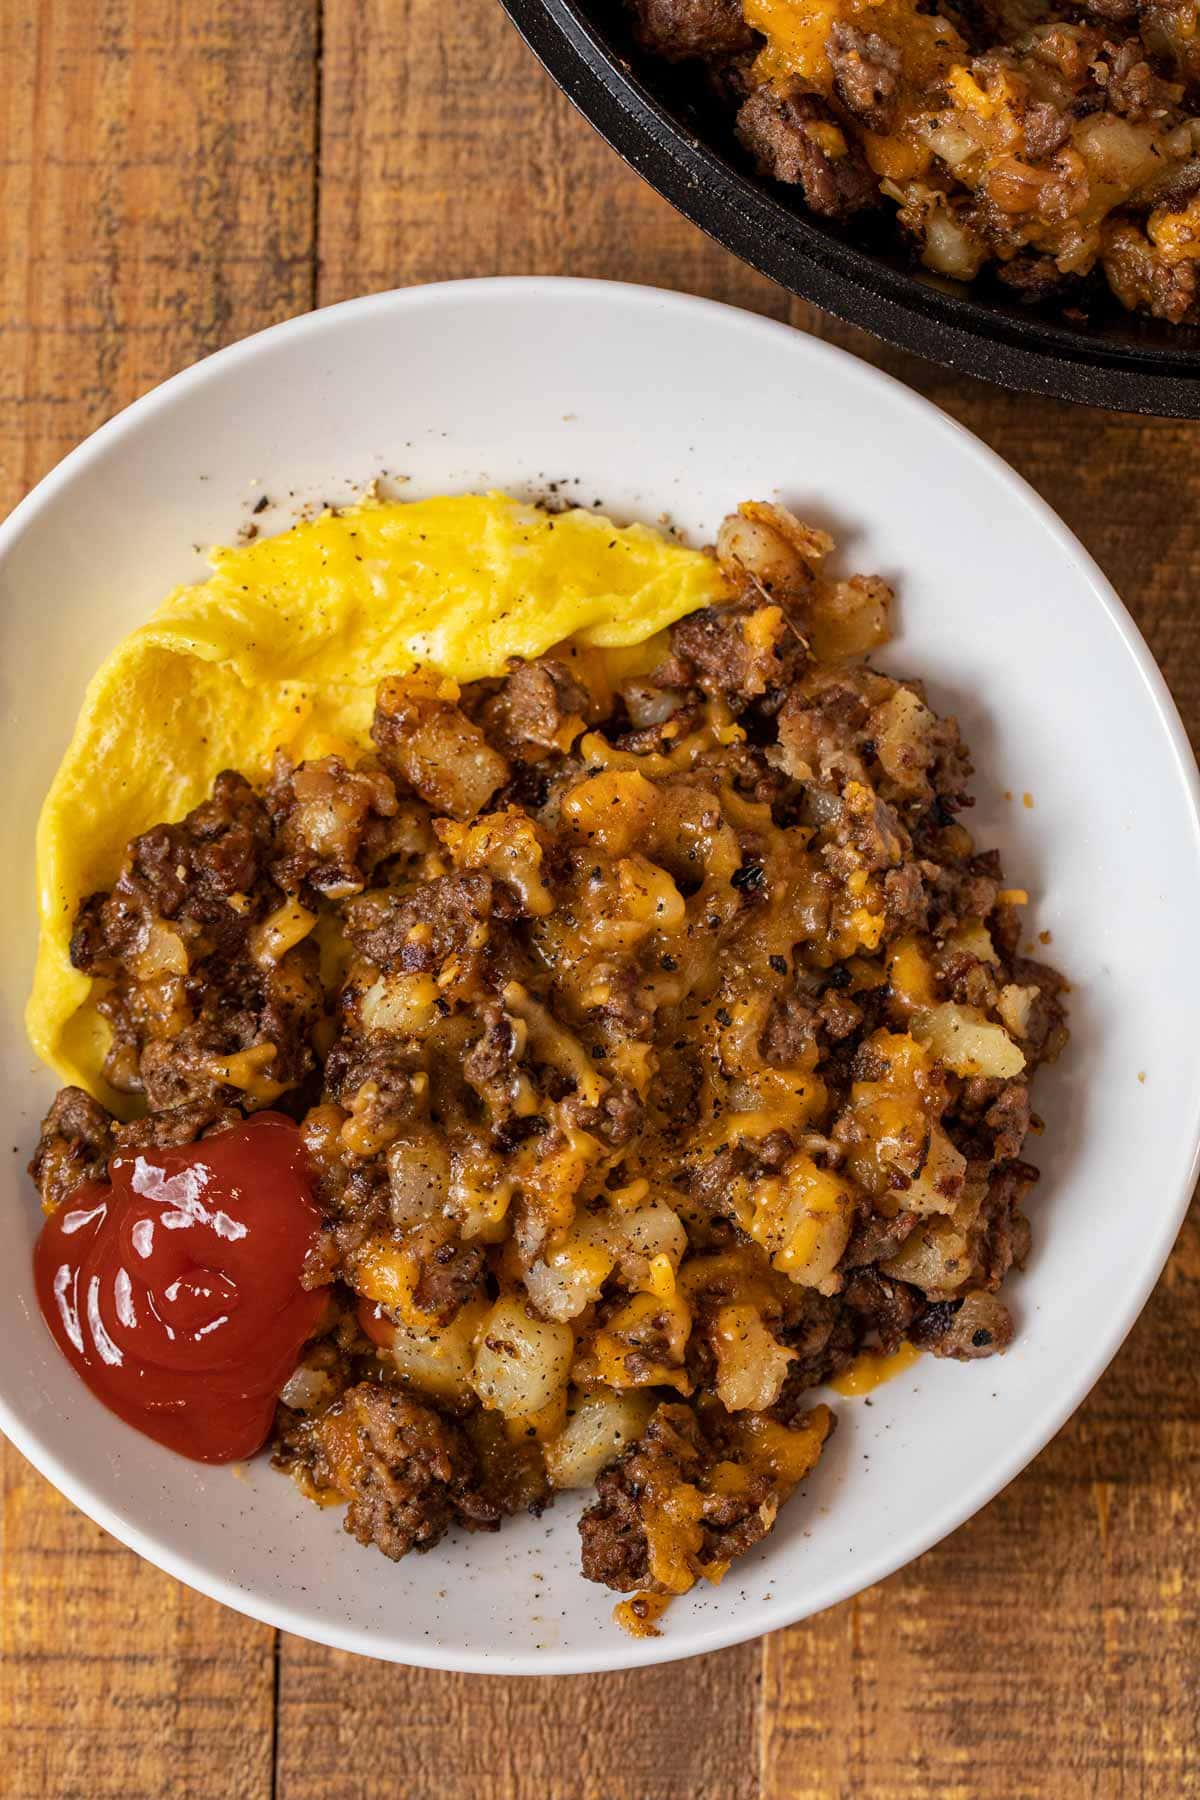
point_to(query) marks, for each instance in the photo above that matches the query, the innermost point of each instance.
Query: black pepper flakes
(749, 878)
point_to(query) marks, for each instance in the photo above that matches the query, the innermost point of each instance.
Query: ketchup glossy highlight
(174, 1290)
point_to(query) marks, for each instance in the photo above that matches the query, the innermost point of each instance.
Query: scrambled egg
(282, 649)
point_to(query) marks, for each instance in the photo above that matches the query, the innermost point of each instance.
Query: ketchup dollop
(174, 1289)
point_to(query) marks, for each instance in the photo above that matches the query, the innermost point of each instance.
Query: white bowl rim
(745, 1624)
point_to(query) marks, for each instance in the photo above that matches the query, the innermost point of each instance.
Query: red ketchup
(174, 1289)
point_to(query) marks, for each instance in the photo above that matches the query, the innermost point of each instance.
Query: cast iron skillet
(660, 121)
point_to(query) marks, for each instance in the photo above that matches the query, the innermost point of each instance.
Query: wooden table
(172, 177)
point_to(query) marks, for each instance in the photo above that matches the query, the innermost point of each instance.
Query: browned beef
(821, 733)
(239, 1006)
(534, 705)
(1008, 1119)
(185, 873)
(452, 1274)
(1180, 185)
(1142, 277)
(904, 900)
(710, 650)
(173, 1126)
(614, 1538)
(1002, 1228)
(1046, 130)
(175, 937)
(977, 1325)
(1035, 277)
(492, 1060)
(1132, 88)
(615, 1118)
(886, 1307)
(416, 932)
(1114, 10)
(866, 69)
(838, 1015)
(790, 1030)
(407, 1472)
(777, 127)
(872, 830)
(825, 1338)
(678, 1446)
(75, 1144)
(682, 29)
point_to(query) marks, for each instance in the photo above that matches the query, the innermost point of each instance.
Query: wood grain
(173, 191)
(156, 188)
(1048, 1647)
(687, 1732)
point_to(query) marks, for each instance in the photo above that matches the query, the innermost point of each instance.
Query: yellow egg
(282, 649)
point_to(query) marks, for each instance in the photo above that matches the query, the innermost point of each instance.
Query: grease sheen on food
(658, 1037)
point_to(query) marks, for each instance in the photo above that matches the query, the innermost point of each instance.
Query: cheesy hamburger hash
(658, 1038)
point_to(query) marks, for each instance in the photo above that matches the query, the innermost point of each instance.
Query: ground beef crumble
(407, 1472)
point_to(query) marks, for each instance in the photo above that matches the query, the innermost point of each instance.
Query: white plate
(654, 404)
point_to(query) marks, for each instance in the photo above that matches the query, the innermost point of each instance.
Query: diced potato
(975, 939)
(434, 746)
(803, 1221)
(950, 247)
(164, 953)
(612, 1240)
(308, 1389)
(522, 1362)
(614, 809)
(1015, 1005)
(439, 1362)
(418, 1166)
(770, 545)
(635, 1237)
(482, 1185)
(568, 1280)
(902, 727)
(935, 1258)
(751, 1363)
(403, 1004)
(1119, 153)
(967, 1042)
(848, 618)
(599, 1426)
(938, 1187)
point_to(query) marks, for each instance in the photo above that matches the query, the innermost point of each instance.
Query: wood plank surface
(168, 186)
(156, 193)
